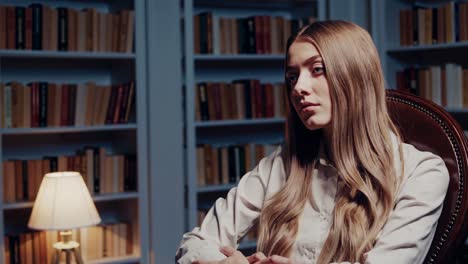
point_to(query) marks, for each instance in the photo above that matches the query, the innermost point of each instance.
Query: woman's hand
(236, 257)
(233, 257)
(256, 258)
(275, 259)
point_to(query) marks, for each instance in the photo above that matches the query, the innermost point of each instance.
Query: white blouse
(405, 238)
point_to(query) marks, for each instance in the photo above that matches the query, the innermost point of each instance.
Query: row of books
(259, 34)
(227, 164)
(442, 24)
(252, 234)
(241, 99)
(102, 173)
(446, 85)
(46, 104)
(96, 242)
(41, 27)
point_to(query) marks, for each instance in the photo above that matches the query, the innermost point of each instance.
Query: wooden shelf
(423, 48)
(216, 188)
(115, 196)
(70, 129)
(46, 54)
(116, 260)
(17, 205)
(244, 122)
(97, 198)
(238, 57)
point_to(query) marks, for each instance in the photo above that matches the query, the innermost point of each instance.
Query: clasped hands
(236, 257)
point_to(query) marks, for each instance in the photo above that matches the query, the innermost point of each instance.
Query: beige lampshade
(63, 202)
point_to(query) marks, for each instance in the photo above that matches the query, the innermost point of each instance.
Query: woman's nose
(300, 90)
(302, 86)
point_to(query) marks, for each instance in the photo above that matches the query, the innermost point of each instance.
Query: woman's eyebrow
(309, 61)
(312, 60)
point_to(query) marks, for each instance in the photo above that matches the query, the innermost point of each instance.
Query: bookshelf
(104, 66)
(218, 64)
(437, 53)
(413, 40)
(397, 53)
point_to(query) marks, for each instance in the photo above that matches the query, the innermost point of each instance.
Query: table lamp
(63, 203)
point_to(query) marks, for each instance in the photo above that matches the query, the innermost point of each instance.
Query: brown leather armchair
(429, 127)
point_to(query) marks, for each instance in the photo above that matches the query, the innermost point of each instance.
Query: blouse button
(307, 253)
(324, 216)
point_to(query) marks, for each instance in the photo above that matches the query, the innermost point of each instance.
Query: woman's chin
(314, 125)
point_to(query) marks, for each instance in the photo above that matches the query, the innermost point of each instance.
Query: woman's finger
(280, 260)
(254, 258)
(228, 251)
(237, 258)
(264, 261)
(203, 262)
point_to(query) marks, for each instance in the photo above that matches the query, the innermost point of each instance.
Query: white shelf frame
(76, 55)
(191, 59)
(165, 161)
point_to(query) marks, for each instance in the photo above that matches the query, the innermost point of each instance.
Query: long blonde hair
(360, 148)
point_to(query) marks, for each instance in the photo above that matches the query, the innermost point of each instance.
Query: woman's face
(310, 95)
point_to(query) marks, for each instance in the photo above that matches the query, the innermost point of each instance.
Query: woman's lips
(309, 107)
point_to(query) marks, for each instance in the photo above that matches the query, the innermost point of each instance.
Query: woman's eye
(318, 69)
(292, 78)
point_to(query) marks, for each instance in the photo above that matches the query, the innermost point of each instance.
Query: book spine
(7, 109)
(20, 30)
(111, 106)
(10, 27)
(203, 33)
(96, 170)
(118, 104)
(62, 28)
(3, 28)
(71, 105)
(129, 105)
(37, 26)
(123, 109)
(43, 87)
(28, 27)
(203, 101)
(24, 164)
(64, 105)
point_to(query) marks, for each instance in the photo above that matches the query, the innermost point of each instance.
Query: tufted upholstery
(429, 127)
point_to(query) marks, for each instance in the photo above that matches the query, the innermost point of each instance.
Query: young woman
(343, 188)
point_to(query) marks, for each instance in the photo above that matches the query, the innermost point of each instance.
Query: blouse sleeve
(408, 233)
(230, 218)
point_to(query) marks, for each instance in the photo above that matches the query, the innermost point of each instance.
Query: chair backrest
(429, 127)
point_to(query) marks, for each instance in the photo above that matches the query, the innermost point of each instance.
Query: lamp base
(69, 247)
(69, 251)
